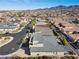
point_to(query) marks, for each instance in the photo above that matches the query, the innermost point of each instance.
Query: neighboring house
(8, 26)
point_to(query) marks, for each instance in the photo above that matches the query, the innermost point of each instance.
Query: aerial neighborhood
(40, 32)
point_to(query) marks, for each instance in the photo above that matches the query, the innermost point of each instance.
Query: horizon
(36, 8)
(34, 4)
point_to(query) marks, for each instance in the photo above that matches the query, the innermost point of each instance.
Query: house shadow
(25, 47)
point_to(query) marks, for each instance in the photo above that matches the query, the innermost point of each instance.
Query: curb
(11, 38)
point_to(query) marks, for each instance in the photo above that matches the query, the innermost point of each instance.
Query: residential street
(13, 46)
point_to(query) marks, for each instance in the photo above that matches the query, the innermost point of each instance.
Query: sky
(34, 4)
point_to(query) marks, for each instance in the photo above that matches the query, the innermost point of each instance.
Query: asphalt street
(13, 46)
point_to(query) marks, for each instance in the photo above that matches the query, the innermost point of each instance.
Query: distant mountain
(74, 6)
(65, 7)
(59, 7)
